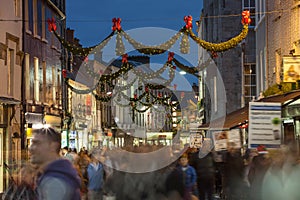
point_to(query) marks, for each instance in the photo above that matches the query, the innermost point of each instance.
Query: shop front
(159, 138)
(289, 121)
(10, 140)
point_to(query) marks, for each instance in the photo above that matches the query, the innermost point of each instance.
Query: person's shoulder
(55, 188)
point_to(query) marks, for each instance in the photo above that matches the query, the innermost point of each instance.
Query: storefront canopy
(7, 100)
(241, 115)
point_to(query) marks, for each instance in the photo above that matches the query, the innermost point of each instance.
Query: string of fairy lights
(147, 91)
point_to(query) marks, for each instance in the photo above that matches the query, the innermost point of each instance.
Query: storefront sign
(34, 118)
(220, 140)
(195, 140)
(264, 124)
(234, 139)
(291, 68)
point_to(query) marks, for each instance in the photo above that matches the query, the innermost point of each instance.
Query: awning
(7, 100)
(234, 119)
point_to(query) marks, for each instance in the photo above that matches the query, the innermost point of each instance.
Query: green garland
(223, 46)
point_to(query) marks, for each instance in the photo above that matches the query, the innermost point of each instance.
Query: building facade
(43, 62)
(10, 87)
(231, 83)
(278, 55)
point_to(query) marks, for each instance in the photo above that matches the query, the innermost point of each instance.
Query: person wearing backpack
(57, 178)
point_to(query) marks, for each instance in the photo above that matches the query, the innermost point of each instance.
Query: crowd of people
(257, 174)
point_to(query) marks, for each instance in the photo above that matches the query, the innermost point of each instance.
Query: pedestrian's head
(183, 160)
(45, 145)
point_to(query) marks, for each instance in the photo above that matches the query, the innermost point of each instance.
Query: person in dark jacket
(57, 178)
(174, 183)
(234, 174)
(258, 168)
(205, 170)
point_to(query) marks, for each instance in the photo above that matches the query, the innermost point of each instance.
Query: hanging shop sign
(196, 140)
(34, 118)
(53, 120)
(264, 124)
(291, 68)
(234, 139)
(220, 140)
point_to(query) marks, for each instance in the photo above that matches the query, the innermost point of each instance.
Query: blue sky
(92, 22)
(91, 19)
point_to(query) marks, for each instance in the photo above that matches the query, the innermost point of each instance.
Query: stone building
(42, 90)
(10, 86)
(231, 83)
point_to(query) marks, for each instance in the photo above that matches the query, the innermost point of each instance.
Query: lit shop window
(36, 79)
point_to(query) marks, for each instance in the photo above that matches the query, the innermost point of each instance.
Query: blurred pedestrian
(258, 168)
(205, 170)
(281, 180)
(189, 177)
(234, 174)
(95, 171)
(57, 178)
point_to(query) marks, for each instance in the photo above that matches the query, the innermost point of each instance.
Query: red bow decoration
(175, 86)
(146, 89)
(116, 24)
(86, 59)
(170, 56)
(64, 73)
(51, 24)
(214, 54)
(124, 58)
(246, 17)
(188, 21)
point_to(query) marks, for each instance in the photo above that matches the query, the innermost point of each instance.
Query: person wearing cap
(258, 168)
(57, 179)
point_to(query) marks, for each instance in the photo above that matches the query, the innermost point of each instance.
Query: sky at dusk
(150, 22)
(92, 19)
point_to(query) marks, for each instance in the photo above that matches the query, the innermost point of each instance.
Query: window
(17, 8)
(53, 84)
(35, 24)
(29, 15)
(44, 90)
(47, 16)
(278, 69)
(260, 10)
(250, 81)
(58, 94)
(27, 77)
(10, 72)
(39, 21)
(36, 79)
